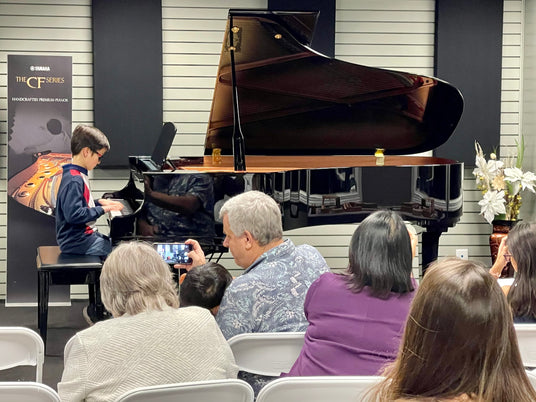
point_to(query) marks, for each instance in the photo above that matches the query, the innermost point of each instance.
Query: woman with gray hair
(149, 341)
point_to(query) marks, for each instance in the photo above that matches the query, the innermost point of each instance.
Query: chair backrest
(21, 346)
(319, 389)
(27, 392)
(526, 338)
(231, 390)
(266, 353)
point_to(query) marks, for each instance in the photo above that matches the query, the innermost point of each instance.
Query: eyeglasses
(99, 155)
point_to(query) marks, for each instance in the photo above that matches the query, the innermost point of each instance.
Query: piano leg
(430, 245)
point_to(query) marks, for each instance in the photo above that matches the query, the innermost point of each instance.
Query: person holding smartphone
(269, 295)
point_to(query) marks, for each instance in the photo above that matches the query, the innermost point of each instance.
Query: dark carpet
(63, 323)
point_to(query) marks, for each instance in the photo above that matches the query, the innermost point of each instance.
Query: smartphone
(174, 253)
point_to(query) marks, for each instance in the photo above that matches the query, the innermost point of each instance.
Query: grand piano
(309, 130)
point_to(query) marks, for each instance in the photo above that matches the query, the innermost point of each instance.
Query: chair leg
(43, 283)
(94, 294)
(98, 301)
(91, 290)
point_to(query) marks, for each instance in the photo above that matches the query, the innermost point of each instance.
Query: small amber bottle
(216, 156)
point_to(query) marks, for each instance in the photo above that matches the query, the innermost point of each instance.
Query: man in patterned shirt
(269, 295)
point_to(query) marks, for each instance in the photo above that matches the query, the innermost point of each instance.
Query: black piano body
(310, 126)
(320, 191)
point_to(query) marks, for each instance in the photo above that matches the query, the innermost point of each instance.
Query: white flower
(519, 179)
(494, 167)
(481, 168)
(492, 204)
(501, 183)
(486, 170)
(480, 162)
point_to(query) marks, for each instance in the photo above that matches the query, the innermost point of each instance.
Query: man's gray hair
(255, 212)
(135, 279)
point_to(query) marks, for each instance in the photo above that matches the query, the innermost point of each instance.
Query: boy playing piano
(76, 211)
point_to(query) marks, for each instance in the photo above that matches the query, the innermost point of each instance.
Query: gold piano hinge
(237, 39)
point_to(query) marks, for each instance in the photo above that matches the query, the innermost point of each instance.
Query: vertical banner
(39, 103)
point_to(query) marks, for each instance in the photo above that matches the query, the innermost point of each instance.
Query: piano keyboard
(127, 210)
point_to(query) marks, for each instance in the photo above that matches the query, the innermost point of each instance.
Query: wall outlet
(462, 253)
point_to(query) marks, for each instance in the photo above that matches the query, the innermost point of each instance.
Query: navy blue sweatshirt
(76, 212)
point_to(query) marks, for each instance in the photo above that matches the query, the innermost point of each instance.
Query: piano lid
(295, 101)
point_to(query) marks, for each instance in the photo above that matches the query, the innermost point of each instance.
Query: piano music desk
(56, 268)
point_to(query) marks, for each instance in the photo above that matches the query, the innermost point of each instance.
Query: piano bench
(56, 268)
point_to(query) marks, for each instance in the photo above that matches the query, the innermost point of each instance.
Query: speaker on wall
(469, 56)
(127, 73)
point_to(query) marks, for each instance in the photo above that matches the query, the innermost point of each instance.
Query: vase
(500, 230)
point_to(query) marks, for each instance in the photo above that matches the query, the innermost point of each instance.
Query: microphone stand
(239, 146)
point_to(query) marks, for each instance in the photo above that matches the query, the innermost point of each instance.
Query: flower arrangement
(501, 183)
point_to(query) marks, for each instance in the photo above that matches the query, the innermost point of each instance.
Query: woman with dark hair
(459, 343)
(519, 248)
(356, 319)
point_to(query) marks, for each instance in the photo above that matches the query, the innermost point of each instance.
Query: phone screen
(174, 253)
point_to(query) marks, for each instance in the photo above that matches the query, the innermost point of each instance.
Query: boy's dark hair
(87, 136)
(204, 286)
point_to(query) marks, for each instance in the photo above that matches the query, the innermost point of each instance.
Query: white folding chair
(27, 391)
(231, 390)
(526, 338)
(266, 353)
(20, 346)
(319, 389)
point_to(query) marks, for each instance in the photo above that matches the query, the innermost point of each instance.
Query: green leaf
(520, 152)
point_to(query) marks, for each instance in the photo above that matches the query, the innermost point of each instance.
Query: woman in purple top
(356, 319)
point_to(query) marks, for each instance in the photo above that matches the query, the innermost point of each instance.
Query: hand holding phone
(174, 253)
(197, 255)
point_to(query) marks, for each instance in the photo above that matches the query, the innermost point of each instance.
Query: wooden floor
(63, 322)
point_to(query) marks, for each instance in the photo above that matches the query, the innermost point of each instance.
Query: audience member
(204, 286)
(269, 295)
(356, 319)
(519, 249)
(459, 343)
(149, 341)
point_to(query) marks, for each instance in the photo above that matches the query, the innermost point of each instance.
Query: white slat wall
(381, 33)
